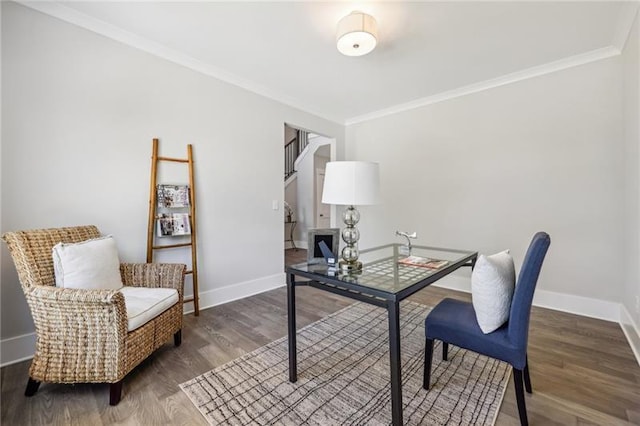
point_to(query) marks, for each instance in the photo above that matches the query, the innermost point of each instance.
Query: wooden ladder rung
(175, 160)
(171, 246)
(187, 300)
(189, 271)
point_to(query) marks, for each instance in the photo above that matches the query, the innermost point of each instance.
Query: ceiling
(287, 51)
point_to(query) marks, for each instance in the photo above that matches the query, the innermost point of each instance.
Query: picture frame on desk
(330, 236)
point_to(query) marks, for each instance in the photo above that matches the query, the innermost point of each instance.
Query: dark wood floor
(582, 369)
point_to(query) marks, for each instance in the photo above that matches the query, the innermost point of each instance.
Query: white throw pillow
(89, 265)
(492, 283)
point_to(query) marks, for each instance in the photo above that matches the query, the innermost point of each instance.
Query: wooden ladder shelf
(153, 216)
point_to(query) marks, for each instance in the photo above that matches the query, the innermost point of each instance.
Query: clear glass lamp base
(350, 235)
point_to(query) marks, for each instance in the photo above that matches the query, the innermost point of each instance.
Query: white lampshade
(351, 183)
(357, 34)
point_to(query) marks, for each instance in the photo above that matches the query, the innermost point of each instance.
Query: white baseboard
(299, 244)
(20, 348)
(453, 282)
(219, 296)
(631, 331)
(585, 306)
(17, 349)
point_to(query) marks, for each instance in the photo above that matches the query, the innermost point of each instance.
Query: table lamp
(351, 183)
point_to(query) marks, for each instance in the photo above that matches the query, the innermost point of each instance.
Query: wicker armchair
(81, 335)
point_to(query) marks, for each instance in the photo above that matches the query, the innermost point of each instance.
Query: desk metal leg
(395, 361)
(291, 317)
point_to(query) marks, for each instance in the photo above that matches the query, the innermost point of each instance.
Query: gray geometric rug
(343, 378)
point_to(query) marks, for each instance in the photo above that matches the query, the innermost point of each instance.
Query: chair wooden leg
(522, 408)
(32, 387)
(445, 351)
(177, 338)
(115, 393)
(428, 355)
(527, 377)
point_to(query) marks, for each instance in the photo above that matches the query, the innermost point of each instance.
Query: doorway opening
(306, 155)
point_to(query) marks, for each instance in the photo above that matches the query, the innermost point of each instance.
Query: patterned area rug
(343, 378)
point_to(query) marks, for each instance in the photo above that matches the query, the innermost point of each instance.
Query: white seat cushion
(144, 304)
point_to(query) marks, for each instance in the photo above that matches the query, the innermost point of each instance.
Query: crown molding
(626, 18)
(72, 16)
(572, 61)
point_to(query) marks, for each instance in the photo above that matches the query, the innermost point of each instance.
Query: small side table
(293, 224)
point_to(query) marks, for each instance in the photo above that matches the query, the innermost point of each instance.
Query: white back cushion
(89, 265)
(492, 283)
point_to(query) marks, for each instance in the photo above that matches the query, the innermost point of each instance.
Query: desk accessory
(406, 249)
(330, 236)
(328, 254)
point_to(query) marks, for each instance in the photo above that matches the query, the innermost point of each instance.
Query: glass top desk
(385, 282)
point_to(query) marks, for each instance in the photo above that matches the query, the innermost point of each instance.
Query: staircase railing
(290, 155)
(292, 150)
(303, 140)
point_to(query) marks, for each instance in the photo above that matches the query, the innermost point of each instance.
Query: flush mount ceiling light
(357, 34)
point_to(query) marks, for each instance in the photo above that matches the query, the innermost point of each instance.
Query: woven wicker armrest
(71, 309)
(72, 296)
(78, 329)
(166, 275)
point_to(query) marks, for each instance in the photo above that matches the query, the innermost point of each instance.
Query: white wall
(487, 170)
(320, 159)
(631, 73)
(306, 170)
(79, 112)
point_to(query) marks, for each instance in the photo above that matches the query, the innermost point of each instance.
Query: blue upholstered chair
(454, 321)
